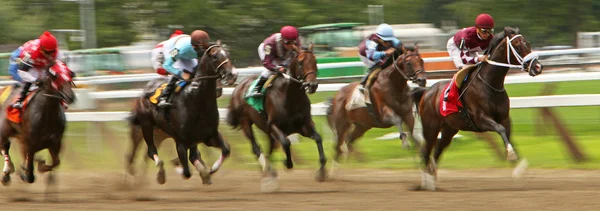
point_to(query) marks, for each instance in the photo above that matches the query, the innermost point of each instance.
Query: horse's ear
(506, 32)
(403, 49)
(310, 47)
(416, 46)
(218, 42)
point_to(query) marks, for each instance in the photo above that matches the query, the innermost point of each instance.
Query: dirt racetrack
(491, 189)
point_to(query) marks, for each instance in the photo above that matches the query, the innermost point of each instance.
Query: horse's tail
(417, 94)
(329, 112)
(233, 118)
(133, 120)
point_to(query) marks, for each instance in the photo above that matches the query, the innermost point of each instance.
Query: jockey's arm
(23, 71)
(268, 61)
(182, 50)
(169, 61)
(371, 51)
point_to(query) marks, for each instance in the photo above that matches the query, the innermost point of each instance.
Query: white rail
(319, 109)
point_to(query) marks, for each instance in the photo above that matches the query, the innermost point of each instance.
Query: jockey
(275, 52)
(374, 49)
(28, 61)
(181, 58)
(467, 43)
(158, 57)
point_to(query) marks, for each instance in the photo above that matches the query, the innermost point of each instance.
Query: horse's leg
(447, 135)
(9, 167)
(148, 133)
(199, 164)
(355, 134)
(504, 131)
(54, 152)
(182, 154)
(28, 176)
(409, 120)
(225, 152)
(431, 129)
(262, 159)
(136, 138)
(309, 131)
(340, 132)
(285, 144)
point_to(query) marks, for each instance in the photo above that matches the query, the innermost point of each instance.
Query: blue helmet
(385, 32)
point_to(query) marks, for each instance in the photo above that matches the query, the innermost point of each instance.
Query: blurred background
(108, 43)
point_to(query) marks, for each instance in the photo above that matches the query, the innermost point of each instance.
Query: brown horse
(391, 99)
(287, 110)
(42, 125)
(486, 103)
(194, 117)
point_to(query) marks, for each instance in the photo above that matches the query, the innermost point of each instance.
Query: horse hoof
(6, 180)
(27, 179)
(512, 157)
(160, 176)
(206, 180)
(427, 181)
(288, 164)
(321, 175)
(269, 184)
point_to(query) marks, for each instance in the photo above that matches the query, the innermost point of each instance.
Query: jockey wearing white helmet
(375, 48)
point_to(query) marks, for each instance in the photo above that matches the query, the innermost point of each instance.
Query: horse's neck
(494, 75)
(398, 82)
(49, 105)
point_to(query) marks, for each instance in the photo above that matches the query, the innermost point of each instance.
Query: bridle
(216, 70)
(529, 58)
(413, 76)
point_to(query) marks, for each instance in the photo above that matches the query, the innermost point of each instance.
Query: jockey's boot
(363, 81)
(163, 100)
(24, 91)
(256, 91)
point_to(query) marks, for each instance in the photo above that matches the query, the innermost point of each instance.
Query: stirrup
(18, 105)
(163, 103)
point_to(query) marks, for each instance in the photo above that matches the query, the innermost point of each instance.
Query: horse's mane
(499, 37)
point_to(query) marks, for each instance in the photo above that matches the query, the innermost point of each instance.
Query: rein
(521, 60)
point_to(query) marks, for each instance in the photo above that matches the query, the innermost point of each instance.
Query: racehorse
(137, 137)
(486, 103)
(286, 111)
(42, 124)
(193, 118)
(391, 101)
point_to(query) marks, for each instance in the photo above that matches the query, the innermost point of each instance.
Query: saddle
(14, 114)
(153, 95)
(258, 102)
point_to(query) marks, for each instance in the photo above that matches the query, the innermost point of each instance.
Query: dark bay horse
(193, 118)
(287, 109)
(483, 96)
(42, 126)
(391, 100)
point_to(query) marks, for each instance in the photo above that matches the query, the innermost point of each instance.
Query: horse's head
(411, 65)
(303, 67)
(217, 62)
(58, 82)
(514, 51)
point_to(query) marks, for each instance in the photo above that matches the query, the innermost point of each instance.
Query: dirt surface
(348, 190)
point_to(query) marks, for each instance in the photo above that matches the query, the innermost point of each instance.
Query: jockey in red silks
(276, 52)
(375, 48)
(467, 44)
(158, 57)
(27, 63)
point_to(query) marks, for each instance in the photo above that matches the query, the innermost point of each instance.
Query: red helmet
(289, 33)
(48, 41)
(484, 21)
(176, 33)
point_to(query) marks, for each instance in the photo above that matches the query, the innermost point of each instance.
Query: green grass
(105, 149)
